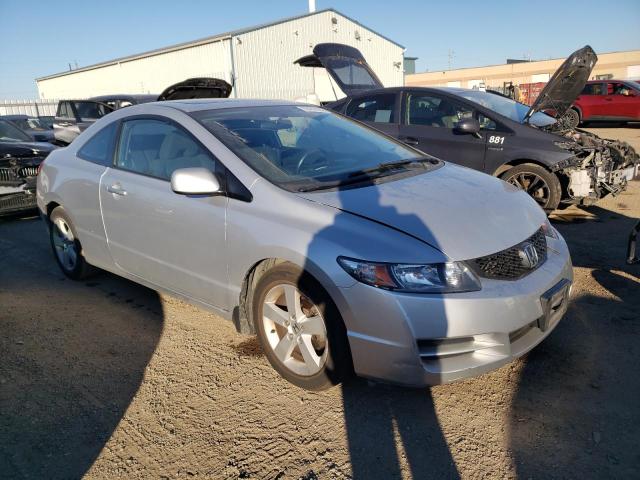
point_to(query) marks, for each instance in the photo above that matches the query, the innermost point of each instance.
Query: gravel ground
(111, 380)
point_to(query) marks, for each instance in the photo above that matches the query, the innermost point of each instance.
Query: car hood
(197, 88)
(463, 213)
(25, 149)
(566, 83)
(42, 135)
(345, 64)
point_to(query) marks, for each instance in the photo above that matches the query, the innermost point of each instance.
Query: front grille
(514, 262)
(16, 202)
(7, 175)
(28, 172)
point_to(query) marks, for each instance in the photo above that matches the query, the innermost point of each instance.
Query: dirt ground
(108, 379)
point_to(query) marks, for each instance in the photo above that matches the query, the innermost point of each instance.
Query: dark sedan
(20, 158)
(32, 126)
(556, 164)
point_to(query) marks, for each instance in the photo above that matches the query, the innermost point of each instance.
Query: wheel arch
(519, 161)
(241, 312)
(577, 109)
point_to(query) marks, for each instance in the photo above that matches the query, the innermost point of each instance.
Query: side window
(99, 148)
(64, 110)
(376, 108)
(157, 148)
(620, 89)
(435, 111)
(486, 123)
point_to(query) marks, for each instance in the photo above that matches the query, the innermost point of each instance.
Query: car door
(625, 103)
(65, 128)
(429, 123)
(610, 107)
(591, 100)
(379, 110)
(171, 240)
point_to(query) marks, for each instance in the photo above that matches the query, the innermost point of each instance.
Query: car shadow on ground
(62, 398)
(389, 429)
(390, 426)
(575, 414)
(611, 125)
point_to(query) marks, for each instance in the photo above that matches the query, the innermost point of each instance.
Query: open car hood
(345, 64)
(566, 84)
(203, 87)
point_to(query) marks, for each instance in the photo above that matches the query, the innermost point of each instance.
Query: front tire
(542, 185)
(300, 329)
(572, 118)
(66, 247)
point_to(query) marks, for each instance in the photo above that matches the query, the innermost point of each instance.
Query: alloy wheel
(65, 244)
(295, 330)
(534, 185)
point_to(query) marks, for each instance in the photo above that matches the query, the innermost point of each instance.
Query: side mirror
(195, 181)
(469, 126)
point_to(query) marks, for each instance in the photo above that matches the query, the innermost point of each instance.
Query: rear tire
(66, 247)
(542, 185)
(305, 339)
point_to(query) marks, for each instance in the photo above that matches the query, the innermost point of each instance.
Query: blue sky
(42, 37)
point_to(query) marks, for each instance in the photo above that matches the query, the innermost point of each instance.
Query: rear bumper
(421, 340)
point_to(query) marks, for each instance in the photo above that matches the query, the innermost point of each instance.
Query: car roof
(125, 96)
(14, 117)
(451, 90)
(198, 104)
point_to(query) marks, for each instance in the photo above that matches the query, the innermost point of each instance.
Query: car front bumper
(17, 202)
(420, 340)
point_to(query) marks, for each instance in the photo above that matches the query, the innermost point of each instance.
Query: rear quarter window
(99, 148)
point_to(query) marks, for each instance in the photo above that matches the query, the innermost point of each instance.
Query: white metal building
(257, 61)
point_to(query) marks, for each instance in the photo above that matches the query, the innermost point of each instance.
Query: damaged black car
(524, 145)
(20, 158)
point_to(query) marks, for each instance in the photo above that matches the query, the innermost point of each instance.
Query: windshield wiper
(390, 166)
(364, 174)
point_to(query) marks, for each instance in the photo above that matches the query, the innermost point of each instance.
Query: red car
(606, 100)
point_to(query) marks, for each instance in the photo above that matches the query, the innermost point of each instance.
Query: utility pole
(450, 56)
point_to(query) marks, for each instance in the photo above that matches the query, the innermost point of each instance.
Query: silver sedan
(344, 250)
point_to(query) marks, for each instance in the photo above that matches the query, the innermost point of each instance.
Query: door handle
(116, 190)
(410, 140)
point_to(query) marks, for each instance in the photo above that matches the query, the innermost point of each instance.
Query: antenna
(450, 56)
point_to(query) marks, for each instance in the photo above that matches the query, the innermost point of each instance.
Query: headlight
(432, 278)
(548, 230)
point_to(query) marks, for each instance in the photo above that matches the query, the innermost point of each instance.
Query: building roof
(205, 40)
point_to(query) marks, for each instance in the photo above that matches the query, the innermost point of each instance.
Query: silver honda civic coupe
(344, 250)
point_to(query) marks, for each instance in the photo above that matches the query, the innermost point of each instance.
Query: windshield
(91, 110)
(305, 147)
(30, 123)
(350, 72)
(507, 107)
(11, 133)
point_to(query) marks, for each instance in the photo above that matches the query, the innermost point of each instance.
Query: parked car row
(558, 165)
(339, 235)
(21, 136)
(74, 116)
